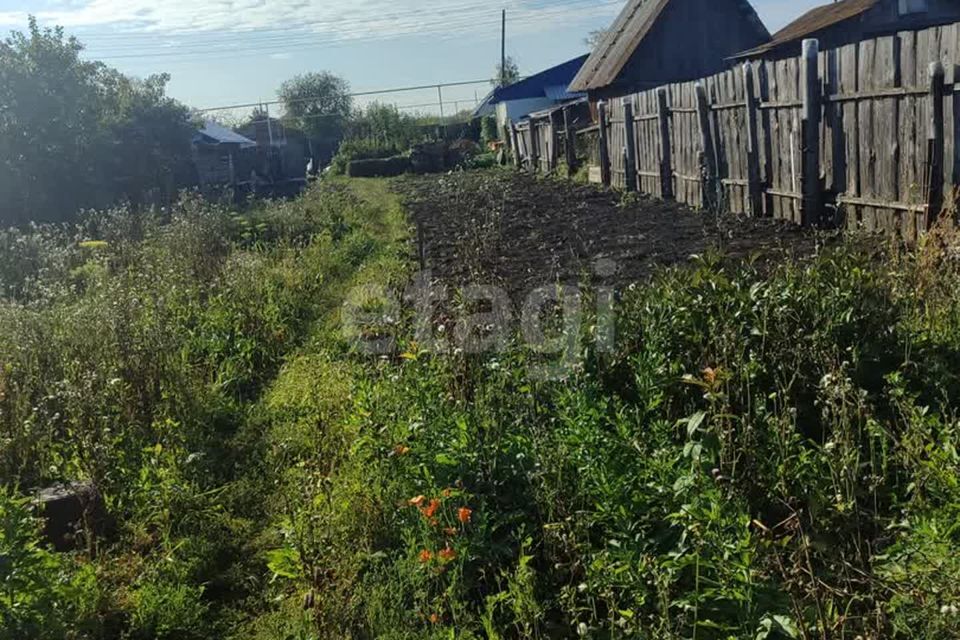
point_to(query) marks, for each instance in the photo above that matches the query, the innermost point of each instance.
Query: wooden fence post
(604, 150)
(708, 161)
(811, 207)
(514, 140)
(570, 143)
(555, 117)
(666, 149)
(935, 145)
(630, 148)
(534, 148)
(753, 144)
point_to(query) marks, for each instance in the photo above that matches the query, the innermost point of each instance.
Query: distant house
(222, 157)
(535, 93)
(655, 42)
(284, 153)
(849, 21)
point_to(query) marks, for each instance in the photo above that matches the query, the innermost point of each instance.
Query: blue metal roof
(551, 83)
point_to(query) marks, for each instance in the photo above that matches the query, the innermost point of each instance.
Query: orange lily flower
(448, 554)
(431, 509)
(463, 514)
(426, 556)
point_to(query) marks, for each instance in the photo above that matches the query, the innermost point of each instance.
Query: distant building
(284, 153)
(222, 157)
(841, 23)
(535, 93)
(655, 42)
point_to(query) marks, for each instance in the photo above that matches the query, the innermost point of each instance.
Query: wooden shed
(655, 42)
(850, 21)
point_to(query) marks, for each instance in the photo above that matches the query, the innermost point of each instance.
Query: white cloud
(12, 18)
(335, 19)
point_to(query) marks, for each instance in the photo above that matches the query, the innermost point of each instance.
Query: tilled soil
(520, 232)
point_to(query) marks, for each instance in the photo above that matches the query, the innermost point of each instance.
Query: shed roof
(812, 22)
(550, 83)
(219, 134)
(614, 50)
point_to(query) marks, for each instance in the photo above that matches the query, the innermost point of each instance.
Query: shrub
(361, 149)
(387, 167)
(38, 598)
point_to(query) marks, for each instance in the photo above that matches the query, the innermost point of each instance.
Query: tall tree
(507, 73)
(77, 134)
(318, 104)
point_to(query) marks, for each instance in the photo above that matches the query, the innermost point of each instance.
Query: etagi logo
(482, 319)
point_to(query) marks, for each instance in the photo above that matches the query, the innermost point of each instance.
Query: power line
(343, 38)
(358, 94)
(454, 10)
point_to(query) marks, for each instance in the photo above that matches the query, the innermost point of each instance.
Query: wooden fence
(864, 135)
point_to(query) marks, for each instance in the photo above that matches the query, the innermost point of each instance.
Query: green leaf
(284, 563)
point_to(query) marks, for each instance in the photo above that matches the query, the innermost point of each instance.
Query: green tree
(77, 134)
(150, 134)
(318, 104)
(507, 73)
(48, 124)
(386, 125)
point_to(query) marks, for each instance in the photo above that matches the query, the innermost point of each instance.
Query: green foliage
(387, 126)
(318, 104)
(361, 149)
(770, 453)
(77, 134)
(506, 74)
(488, 130)
(34, 586)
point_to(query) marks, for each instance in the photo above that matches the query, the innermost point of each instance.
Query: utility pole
(503, 50)
(440, 101)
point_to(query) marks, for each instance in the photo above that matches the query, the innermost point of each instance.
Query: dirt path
(519, 232)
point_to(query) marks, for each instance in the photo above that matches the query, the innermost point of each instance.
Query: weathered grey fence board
(873, 130)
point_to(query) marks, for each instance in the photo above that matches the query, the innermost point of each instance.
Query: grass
(768, 453)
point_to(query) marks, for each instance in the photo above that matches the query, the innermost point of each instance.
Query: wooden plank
(755, 205)
(909, 172)
(935, 143)
(604, 150)
(630, 146)
(666, 159)
(766, 137)
(570, 142)
(885, 135)
(868, 151)
(706, 145)
(812, 191)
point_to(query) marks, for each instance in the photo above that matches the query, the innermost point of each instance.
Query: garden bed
(521, 232)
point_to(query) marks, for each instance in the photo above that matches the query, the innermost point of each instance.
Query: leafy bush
(39, 598)
(361, 149)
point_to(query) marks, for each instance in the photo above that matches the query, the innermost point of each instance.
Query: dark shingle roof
(619, 43)
(812, 22)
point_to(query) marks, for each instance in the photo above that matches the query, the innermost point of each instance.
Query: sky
(227, 52)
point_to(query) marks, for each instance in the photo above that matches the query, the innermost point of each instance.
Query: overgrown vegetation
(77, 134)
(768, 453)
